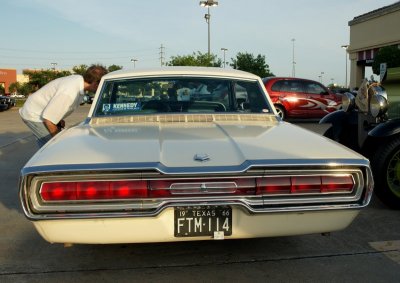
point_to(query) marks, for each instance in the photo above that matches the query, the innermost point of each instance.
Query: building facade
(368, 33)
(7, 77)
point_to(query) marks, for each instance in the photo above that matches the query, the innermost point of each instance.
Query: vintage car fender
(339, 120)
(387, 129)
(334, 117)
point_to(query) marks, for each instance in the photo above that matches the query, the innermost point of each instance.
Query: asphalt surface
(367, 251)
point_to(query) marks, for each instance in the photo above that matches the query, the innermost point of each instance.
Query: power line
(70, 52)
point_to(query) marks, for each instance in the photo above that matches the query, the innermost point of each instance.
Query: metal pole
(224, 49)
(345, 54)
(209, 19)
(293, 62)
(134, 61)
(346, 65)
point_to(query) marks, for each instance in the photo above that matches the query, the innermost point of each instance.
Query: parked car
(87, 98)
(370, 125)
(301, 98)
(6, 102)
(15, 95)
(3, 104)
(158, 169)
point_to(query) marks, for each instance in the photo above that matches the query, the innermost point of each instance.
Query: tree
(80, 69)
(14, 87)
(113, 68)
(21, 88)
(2, 90)
(256, 65)
(37, 79)
(389, 55)
(196, 59)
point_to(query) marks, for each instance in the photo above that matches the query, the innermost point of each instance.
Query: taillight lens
(305, 184)
(343, 183)
(96, 190)
(139, 189)
(58, 191)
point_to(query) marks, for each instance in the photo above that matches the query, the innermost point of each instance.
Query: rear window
(314, 88)
(183, 94)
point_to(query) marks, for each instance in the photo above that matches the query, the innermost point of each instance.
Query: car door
(320, 100)
(294, 98)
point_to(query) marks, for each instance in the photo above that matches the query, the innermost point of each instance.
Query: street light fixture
(54, 64)
(224, 50)
(134, 61)
(345, 48)
(321, 77)
(208, 4)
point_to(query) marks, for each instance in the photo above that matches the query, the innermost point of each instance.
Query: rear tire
(281, 111)
(385, 164)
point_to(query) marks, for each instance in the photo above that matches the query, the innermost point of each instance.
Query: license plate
(194, 221)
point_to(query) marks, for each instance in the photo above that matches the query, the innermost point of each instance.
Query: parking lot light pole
(208, 4)
(134, 62)
(345, 48)
(54, 66)
(293, 62)
(224, 50)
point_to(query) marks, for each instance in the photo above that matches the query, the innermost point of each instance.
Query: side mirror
(378, 105)
(348, 101)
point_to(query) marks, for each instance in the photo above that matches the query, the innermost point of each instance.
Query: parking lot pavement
(367, 251)
(13, 130)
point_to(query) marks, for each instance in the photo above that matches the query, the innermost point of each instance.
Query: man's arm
(53, 129)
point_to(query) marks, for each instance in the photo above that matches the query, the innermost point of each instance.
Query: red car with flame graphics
(301, 98)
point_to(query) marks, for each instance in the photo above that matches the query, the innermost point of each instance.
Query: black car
(6, 102)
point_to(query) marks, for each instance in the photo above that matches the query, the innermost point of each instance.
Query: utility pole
(293, 61)
(224, 50)
(162, 55)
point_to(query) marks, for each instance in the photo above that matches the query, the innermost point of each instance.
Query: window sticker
(118, 107)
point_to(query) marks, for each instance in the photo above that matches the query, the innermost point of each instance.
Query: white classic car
(149, 165)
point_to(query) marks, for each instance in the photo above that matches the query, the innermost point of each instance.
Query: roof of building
(376, 13)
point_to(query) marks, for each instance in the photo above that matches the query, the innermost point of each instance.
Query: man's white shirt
(54, 101)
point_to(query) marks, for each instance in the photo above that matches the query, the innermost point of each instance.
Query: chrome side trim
(35, 209)
(161, 168)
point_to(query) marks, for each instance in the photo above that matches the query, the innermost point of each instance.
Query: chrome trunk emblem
(201, 157)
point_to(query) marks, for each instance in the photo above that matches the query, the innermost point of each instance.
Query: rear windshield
(183, 94)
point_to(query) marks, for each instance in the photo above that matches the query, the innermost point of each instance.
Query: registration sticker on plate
(193, 221)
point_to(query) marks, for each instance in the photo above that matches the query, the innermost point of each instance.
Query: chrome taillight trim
(35, 209)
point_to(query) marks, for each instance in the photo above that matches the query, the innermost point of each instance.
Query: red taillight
(96, 190)
(337, 183)
(128, 189)
(92, 190)
(137, 189)
(58, 191)
(305, 184)
(273, 185)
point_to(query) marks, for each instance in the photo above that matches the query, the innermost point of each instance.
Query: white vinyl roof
(167, 71)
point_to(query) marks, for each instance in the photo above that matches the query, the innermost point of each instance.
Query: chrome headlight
(348, 101)
(378, 105)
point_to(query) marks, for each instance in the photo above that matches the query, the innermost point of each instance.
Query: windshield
(190, 95)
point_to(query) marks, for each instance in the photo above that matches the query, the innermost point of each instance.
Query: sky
(37, 33)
